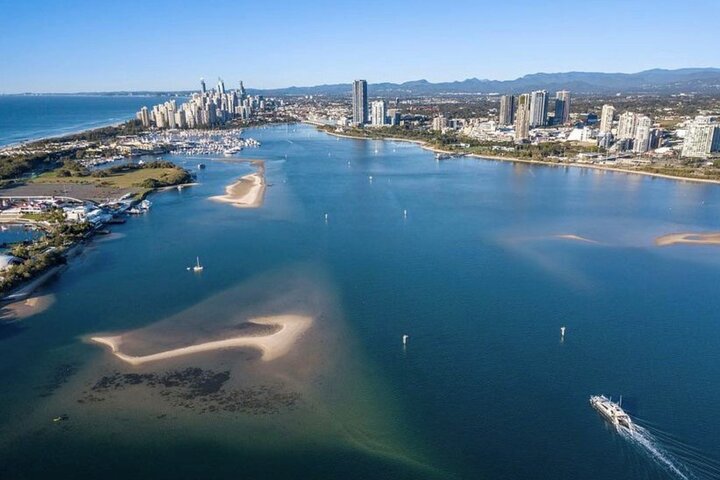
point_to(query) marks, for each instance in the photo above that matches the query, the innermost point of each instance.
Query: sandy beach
(272, 346)
(248, 192)
(712, 238)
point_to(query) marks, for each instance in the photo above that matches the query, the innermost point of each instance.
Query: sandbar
(712, 238)
(272, 346)
(569, 236)
(248, 192)
(25, 308)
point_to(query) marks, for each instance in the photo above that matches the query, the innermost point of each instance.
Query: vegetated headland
(47, 186)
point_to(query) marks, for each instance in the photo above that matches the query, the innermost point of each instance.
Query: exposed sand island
(577, 238)
(248, 192)
(712, 238)
(288, 328)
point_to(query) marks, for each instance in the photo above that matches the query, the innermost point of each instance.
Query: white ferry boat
(612, 412)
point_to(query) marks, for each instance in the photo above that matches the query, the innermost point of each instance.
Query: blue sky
(67, 46)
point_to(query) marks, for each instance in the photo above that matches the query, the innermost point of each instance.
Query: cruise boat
(612, 412)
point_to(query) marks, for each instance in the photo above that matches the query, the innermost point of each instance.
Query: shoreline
(424, 145)
(272, 346)
(28, 287)
(248, 191)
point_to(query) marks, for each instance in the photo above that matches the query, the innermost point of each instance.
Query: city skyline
(122, 50)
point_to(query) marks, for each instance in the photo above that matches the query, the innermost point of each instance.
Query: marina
(437, 293)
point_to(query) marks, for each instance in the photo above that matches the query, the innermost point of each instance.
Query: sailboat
(198, 267)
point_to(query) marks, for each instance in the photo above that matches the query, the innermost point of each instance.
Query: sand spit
(712, 238)
(26, 308)
(272, 346)
(578, 238)
(248, 192)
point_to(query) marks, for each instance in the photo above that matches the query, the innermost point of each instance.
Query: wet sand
(577, 238)
(712, 238)
(26, 308)
(272, 346)
(248, 192)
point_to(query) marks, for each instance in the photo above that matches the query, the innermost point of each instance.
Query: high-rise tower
(606, 118)
(522, 118)
(507, 110)
(538, 108)
(360, 102)
(562, 107)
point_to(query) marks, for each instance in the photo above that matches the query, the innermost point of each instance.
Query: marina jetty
(68, 206)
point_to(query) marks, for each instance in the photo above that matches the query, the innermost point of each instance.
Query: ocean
(479, 262)
(31, 117)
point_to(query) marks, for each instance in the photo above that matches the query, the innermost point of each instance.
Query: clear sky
(79, 45)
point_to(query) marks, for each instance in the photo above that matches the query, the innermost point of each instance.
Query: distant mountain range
(685, 80)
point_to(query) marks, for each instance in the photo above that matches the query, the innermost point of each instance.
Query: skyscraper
(221, 86)
(507, 110)
(522, 118)
(538, 108)
(562, 107)
(202, 85)
(627, 125)
(606, 118)
(360, 102)
(378, 113)
(144, 116)
(643, 135)
(702, 138)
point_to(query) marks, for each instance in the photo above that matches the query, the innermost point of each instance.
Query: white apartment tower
(627, 125)
(643, 135)
(378, 113)
(702, 138)
(606, 118)
(439, 123)
(538, 108)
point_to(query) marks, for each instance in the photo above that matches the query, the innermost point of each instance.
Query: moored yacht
(612, 412)
(198, 267)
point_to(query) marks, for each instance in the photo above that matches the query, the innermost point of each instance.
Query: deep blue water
(475, 274)
(29, 117)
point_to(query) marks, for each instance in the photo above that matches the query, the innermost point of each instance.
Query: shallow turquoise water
(474, 273)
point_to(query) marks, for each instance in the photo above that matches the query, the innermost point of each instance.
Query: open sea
(480, 262)
(30, 117)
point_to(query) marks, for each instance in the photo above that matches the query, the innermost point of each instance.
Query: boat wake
(676, 458)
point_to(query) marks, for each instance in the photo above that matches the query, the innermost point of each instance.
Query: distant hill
(685, 80)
